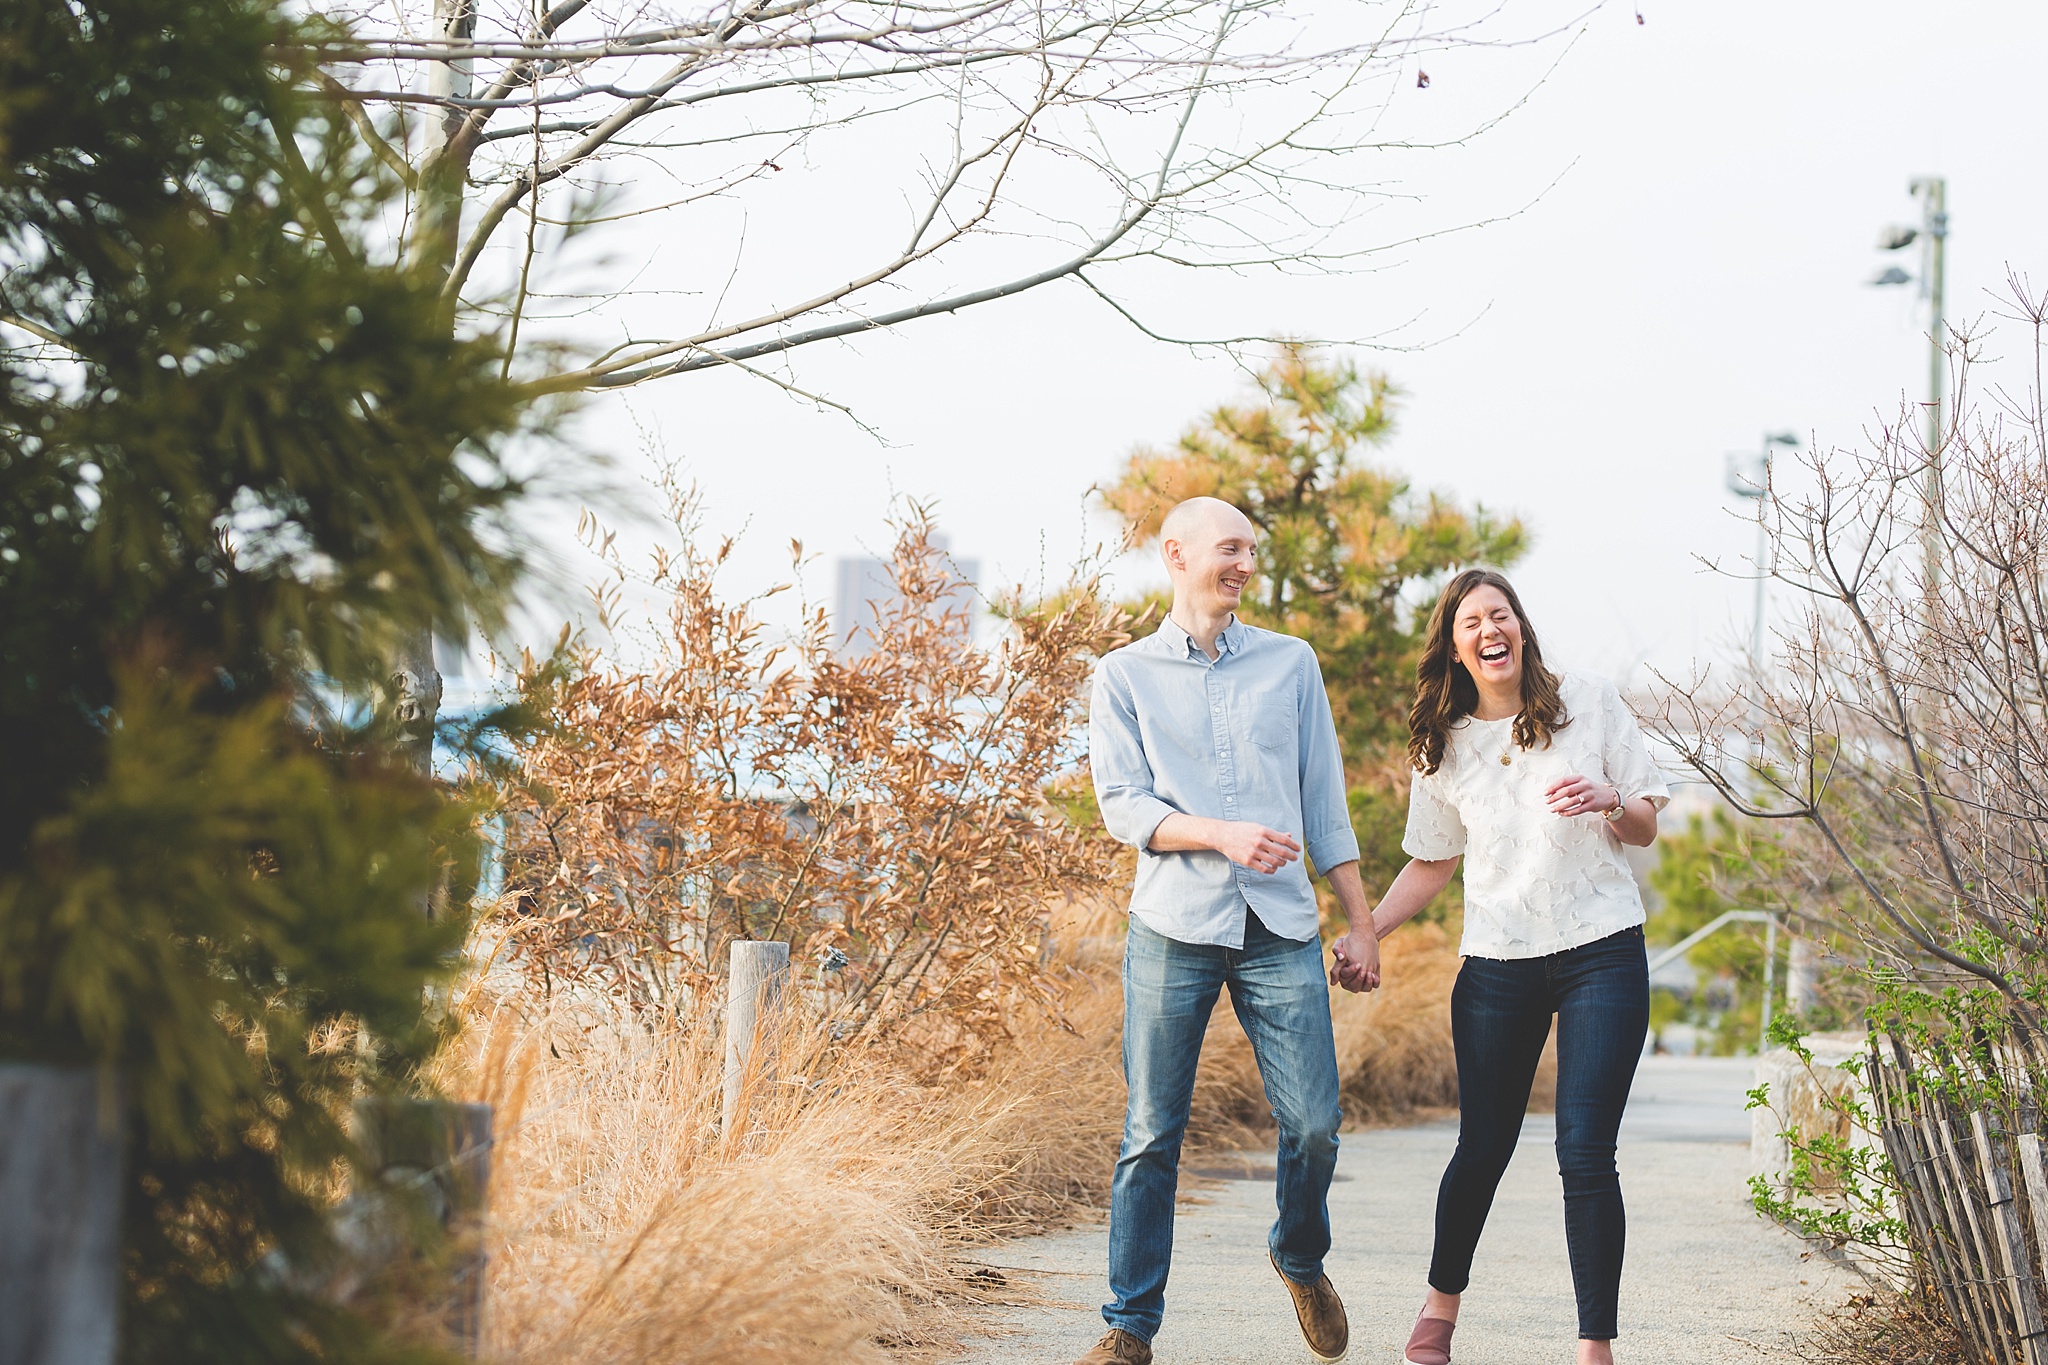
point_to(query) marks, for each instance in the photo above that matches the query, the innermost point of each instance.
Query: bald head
(1197, 520)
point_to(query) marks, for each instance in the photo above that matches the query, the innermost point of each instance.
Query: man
(1215, 756)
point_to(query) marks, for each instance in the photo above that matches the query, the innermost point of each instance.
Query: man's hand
(1357, 959)
(1254, 846)
(1243, 842)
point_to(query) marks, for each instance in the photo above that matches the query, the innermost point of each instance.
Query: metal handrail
(1678, 949)
(1727, 917)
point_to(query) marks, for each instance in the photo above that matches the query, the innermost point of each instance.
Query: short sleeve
(1435, 829)
(1626, 753)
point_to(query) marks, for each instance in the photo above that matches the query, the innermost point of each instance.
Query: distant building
(864, 586)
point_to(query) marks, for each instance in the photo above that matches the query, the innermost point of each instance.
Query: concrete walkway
(1707, 1280)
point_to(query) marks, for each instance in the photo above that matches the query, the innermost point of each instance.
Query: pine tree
(239, 465)
(1343, 543)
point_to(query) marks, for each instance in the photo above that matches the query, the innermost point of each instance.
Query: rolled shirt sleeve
(1116, 757)
(1327, 835)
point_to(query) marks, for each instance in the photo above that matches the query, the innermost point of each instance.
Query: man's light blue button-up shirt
(1247, 737)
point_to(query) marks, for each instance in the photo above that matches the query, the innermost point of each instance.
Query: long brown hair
(1445, 693)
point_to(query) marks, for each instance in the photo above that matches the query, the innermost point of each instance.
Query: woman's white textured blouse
(1536, 882)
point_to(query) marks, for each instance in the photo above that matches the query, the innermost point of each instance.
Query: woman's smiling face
(1488, 638)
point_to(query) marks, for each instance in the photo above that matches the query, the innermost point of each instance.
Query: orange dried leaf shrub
(884, 814)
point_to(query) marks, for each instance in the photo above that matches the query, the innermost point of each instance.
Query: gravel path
(1707, 1281)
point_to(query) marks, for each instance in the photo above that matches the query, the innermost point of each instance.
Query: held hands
(1256, 847)
(1574, 795)
(1356, 965)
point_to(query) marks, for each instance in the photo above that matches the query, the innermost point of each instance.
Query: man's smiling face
(1212, 559)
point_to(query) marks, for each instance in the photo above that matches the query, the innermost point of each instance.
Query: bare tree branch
(1904, 718)
(1192, 134)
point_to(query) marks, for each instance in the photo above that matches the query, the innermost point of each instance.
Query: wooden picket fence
(1974, 1187)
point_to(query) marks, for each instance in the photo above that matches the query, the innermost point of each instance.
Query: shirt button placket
(1219, 721)
(1226, 772)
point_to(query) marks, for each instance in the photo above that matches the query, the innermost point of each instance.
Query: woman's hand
(1357, 959)
(1574, 795)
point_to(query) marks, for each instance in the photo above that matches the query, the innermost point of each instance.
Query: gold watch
(1615, 811)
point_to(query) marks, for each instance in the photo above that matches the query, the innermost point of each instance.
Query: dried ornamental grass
(626, 1228)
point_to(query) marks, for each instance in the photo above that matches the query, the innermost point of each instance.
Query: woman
(1536, 781)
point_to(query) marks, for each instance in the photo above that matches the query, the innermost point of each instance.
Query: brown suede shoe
(1117, 1347)
(1323, 1324)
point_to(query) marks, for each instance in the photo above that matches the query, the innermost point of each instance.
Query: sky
(1687, 211)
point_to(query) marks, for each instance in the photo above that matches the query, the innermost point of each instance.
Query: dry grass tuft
(627, 1228)
(1886, 1329)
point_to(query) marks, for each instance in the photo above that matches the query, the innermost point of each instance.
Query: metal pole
(1937, 275)
(1754, 484)
(1934, 207)
(1770, 970)
(1763, 550)
(1677, 950)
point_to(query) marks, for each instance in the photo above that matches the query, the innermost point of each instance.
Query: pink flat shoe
(1430, 1342)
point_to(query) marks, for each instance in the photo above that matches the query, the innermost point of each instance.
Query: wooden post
(1984, 1269)
(752, 1002)
(2034, 1175)
(1892, 1097)
(440, 1153)
(2011, 1240)
(1958, 1228)
(60, 1232)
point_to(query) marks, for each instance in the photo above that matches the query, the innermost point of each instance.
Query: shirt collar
(1229, 641)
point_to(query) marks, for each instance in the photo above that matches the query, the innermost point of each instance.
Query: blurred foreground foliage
(239, 464)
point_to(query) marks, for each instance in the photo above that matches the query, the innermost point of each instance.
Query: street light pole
(1933, 191)
(1932, 234)
(1934, 209)
(1755, 483)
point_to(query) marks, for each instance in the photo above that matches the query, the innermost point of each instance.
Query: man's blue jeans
(1278, 990)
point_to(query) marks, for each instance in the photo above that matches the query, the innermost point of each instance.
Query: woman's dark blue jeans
(1500, 1017)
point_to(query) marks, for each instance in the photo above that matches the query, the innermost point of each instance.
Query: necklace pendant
(1505, 760)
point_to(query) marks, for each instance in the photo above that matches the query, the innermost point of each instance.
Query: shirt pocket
(1271, 722)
